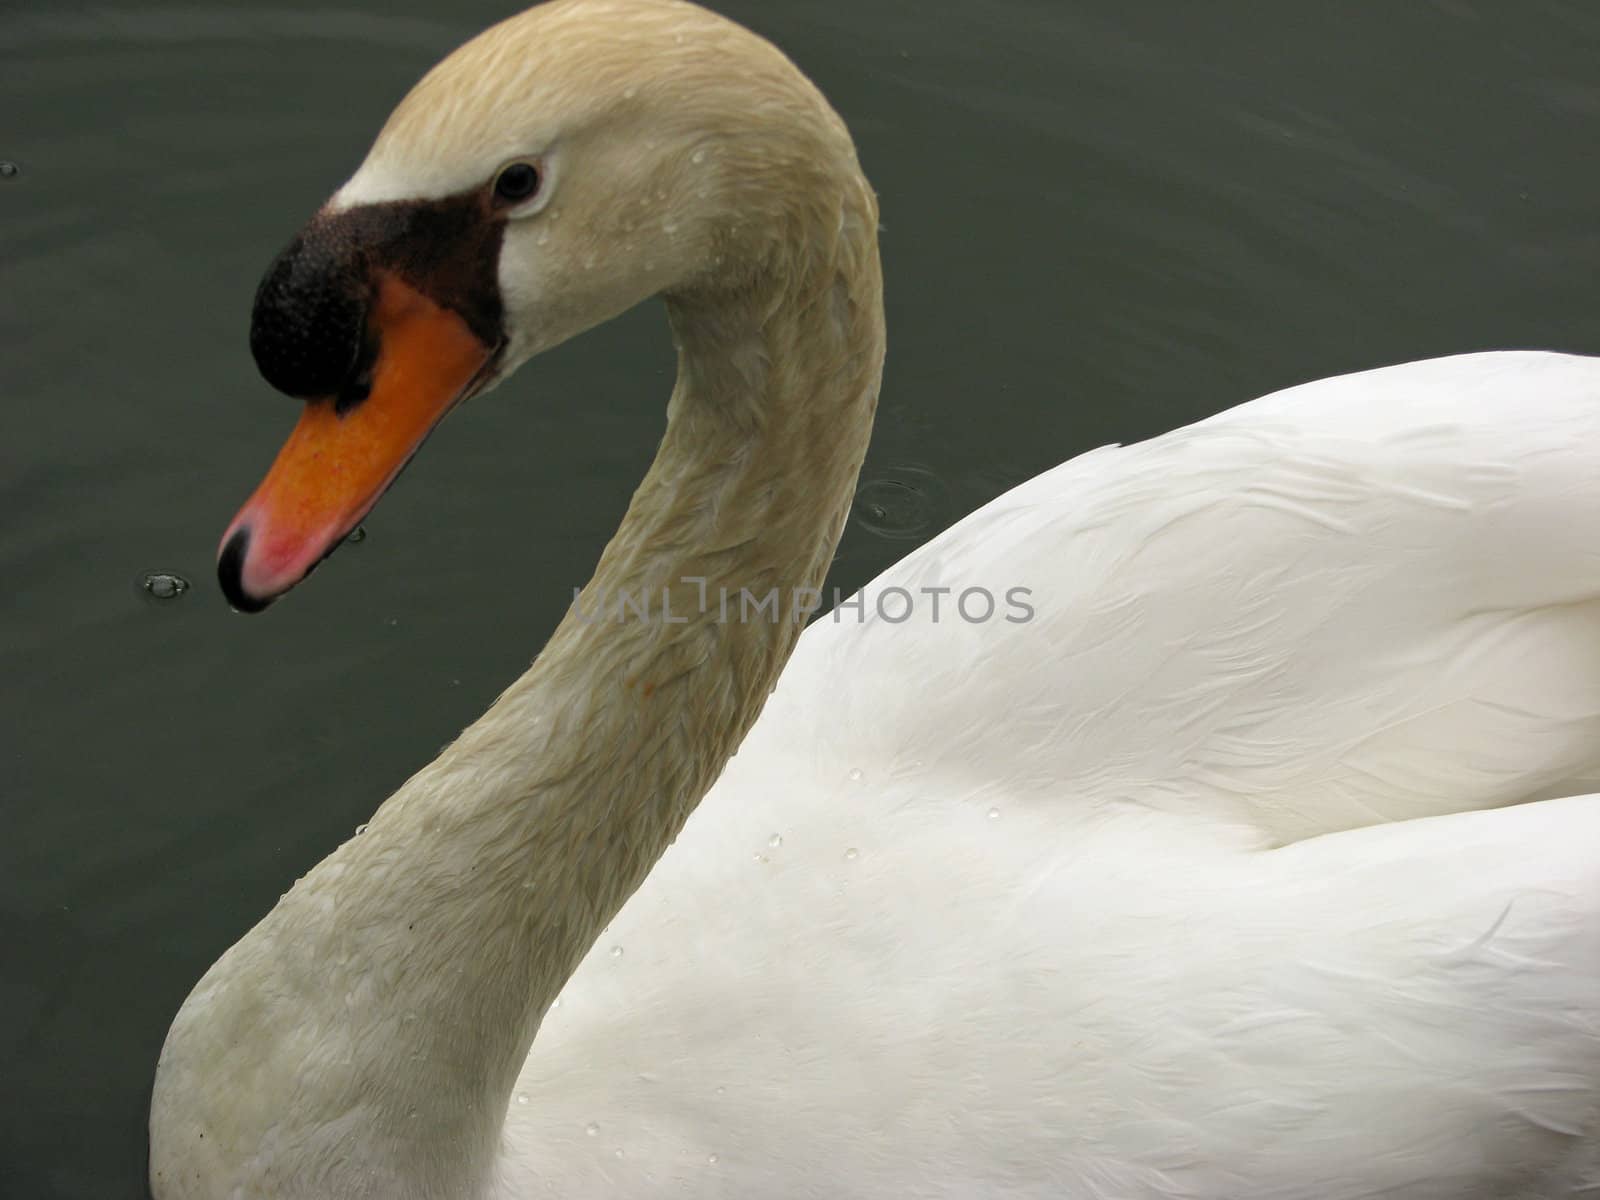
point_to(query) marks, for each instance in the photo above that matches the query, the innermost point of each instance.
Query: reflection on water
(1101, 220)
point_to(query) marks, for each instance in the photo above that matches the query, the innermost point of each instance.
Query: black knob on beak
(308, 331)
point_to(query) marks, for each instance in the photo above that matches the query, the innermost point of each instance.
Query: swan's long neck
(561, 798)
(401, 983)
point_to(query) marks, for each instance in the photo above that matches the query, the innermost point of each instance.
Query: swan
(1194, 820)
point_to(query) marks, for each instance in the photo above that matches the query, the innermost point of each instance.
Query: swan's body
(1202, 881)
(1366, 602)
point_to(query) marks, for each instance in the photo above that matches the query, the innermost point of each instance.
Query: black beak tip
(230, 573)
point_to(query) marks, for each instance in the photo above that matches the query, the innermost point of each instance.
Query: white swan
(1201, 882)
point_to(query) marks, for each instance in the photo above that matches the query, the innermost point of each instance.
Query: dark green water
(1103, 218)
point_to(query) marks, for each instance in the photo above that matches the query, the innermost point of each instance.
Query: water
(1102, 220)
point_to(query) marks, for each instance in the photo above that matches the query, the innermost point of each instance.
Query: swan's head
(551, 173)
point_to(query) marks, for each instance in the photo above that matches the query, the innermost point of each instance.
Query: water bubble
(775, 840)
(556, 1003)
(721, 1090)
(712, 1159)
(522, 1097)
(857, 774)
(851, 854)
(358, 534)
(544, 238)
(618, 1152)
(616, 952)
(592, 1129)
(361, 828)
(698, 157)
(630, 93)
(760, 858)
(9, 170)
(164, 585)
(994, 814)
(902, 503)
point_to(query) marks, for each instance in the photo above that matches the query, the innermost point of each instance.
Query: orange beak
(335, 466)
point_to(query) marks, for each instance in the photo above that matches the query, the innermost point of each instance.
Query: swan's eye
(517, 182)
